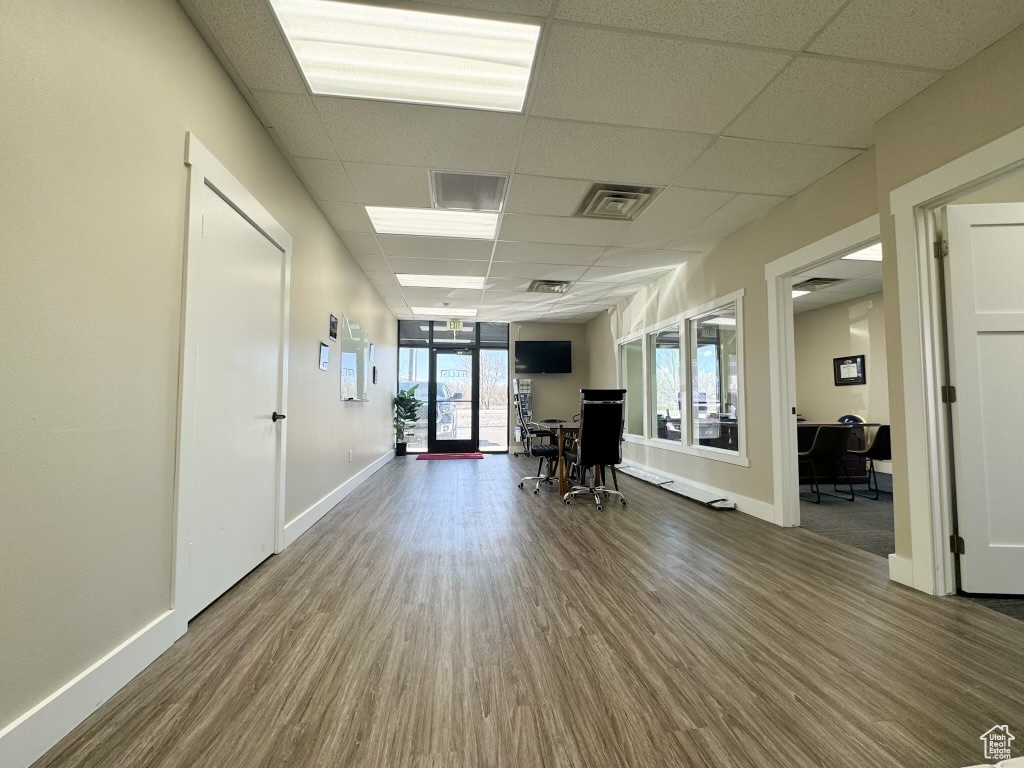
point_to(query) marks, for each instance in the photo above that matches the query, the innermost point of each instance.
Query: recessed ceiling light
(443, 311)
(432, 222)
(394, 54)
(871, 253)
(440, 281)
(798, 294)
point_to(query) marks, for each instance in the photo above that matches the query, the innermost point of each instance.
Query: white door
(985, 292)
(232, 499)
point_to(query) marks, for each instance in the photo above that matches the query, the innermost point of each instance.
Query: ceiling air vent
(617, 202)
(816, 283)
(548, 286)
(468, 191)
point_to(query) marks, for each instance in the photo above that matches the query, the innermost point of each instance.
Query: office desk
(562, 429)
(857, 467)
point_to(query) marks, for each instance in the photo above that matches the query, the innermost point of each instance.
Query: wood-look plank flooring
(441, 617)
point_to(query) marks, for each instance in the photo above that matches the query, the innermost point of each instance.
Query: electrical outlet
(350, 457)
(871, 304)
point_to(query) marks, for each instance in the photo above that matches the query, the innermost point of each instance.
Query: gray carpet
(867, 524)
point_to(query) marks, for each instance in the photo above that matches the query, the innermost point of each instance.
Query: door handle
(277, 416)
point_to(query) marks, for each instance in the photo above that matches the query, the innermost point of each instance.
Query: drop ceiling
(856, 279)
(727, 108)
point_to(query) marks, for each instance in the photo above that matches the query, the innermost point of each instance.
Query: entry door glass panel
(455, 413)
(494, 400)
(414, 371)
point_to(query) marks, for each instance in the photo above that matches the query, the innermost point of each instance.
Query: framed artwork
(849, 370)
(371, 352)
(334, 328)
(325, 353)
(375, 374)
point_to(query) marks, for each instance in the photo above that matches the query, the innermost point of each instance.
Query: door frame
(779, 276)
(463, 446)
(929, 473)
(206, 171)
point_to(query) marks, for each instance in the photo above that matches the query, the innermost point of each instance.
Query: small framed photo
(375, 374)
(325, 354)
(849, 370)
(334, 328)
(372, 349)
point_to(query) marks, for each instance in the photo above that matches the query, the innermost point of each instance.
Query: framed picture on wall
(849, 370)
(325, 354)
(334, 328)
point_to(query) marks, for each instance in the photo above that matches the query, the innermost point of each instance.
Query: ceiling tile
(515, 7)
(545, 196)
(536, 271)
(347, 217)
(296, 122)
(394, 185)
(623, 274)
(385, 133)
(761, 167)
(618, 77)
(437, 267)
(942, 34)
(361, 243)
(638, 258)
(247, 33)
(436, 247)
(553, 229)
(373, 263)
(772, 23)
(829, 102)
(738, 212)
(547, 253)
(325, 180)
(507, 284)
(390, 293)
(414, 295)
(846, 269)
(607, 152)
(383, 279)
(673, 212)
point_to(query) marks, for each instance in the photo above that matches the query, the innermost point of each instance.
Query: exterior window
(714, 403)
(665, 381)
(631, 362)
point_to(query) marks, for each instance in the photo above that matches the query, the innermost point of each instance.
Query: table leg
(562, 490)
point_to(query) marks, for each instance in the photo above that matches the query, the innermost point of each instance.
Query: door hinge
(949, 394)
(956, 545)
(941, 249)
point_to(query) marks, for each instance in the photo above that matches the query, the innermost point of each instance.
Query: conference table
(856, 466)
(562, 430)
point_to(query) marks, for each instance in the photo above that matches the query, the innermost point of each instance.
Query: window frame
(682, 320)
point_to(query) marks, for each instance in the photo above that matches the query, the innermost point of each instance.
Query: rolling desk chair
(599, 445)
(534, 446)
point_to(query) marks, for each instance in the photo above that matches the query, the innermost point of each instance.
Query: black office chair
(879, 449)
(827, 457)
(850, 418)
(599, 444)
(534, 446)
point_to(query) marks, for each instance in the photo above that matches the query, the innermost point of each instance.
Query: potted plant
(407, 409)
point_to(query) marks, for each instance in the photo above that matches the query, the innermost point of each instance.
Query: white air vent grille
(615, 201)
(816, 283)
(548, 286)
(468, 191)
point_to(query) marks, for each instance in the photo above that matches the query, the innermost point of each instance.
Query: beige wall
(97, 98)
(854, 327)
(555, 395)
(843, 198)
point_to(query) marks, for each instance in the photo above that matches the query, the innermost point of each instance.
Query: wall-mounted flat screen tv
(543, 357)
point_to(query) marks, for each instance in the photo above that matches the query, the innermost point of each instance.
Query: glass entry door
(453, 417)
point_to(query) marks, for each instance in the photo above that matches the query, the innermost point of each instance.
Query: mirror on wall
(355, 362)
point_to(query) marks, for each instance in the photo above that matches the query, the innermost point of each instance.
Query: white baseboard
(30, 736)
(754, 507)
(901, 570)
(307, 519)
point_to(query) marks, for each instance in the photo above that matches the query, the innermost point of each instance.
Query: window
(714, 385)
(665, 381)
(632, 366)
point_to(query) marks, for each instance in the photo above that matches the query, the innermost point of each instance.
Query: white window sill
(713, 454)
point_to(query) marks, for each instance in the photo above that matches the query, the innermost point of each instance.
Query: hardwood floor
(441, 617)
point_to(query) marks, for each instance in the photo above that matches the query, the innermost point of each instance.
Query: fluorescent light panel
(440, 281)
(443, 311)
(394, 54)
(433, 222)
(798, 294)
(730, 321)
(871, 253)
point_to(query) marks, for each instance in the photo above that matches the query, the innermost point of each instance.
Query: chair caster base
(568, 502)
(520, 485)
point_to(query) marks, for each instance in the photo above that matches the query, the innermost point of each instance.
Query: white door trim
(928, 470)
(206, 170)
(781, 356)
